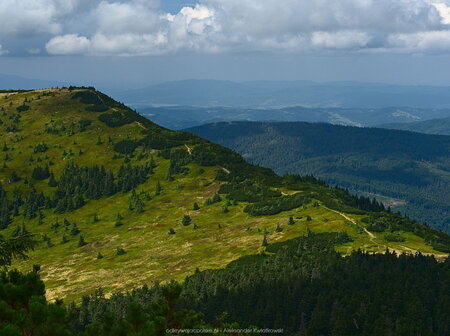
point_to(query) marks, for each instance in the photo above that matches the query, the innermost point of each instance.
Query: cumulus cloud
(70, 44)
(140, 27)
(422, 41)
(32, 17)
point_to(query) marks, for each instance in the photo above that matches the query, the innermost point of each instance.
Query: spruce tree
(14, 177)
(265, 242)
(216, 198)
(196, 207)
(139, 206)
(24, 231)
(16, 232)
(74, 230)
(81, 241)
(51, 181)
(186, 220)
(291, 220)
(158, 188)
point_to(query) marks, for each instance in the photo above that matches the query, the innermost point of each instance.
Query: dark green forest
(301, 286)
(411, 167)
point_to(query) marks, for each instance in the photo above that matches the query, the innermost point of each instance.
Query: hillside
(117, 201)
(273, 94)
(409, 167)
(434, 126)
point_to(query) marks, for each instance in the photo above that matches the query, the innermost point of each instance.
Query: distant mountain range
(179, 117)
(434, 126)
(411, 167)
(8, 82)
(274, 94)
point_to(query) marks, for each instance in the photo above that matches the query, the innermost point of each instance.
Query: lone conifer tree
(51, 181)
(158, 188)
(75, 230)
(81, 242)
(265, 242)
(186, 220)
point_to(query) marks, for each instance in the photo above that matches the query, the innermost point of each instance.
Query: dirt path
(371, 235)
(137, 122)
(189, 149)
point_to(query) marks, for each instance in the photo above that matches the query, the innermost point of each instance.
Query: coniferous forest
(302, 287)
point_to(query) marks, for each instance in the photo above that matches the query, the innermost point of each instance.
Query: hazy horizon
(130, 44)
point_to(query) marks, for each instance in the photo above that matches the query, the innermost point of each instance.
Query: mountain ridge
(181, 117)
(433, 126)
(257, 94)
(8, 82)
(117, 201)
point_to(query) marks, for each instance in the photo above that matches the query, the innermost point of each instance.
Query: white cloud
(137, 28)
(33, 17)
(422, 41)
(444, 12)
(70, 44)
(140, 27)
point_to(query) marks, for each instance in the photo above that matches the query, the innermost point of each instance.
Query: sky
(133, 43)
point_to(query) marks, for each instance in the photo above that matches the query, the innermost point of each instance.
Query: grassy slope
(410, 167)
(152, 254)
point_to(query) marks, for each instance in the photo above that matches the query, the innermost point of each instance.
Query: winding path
(371, 235)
